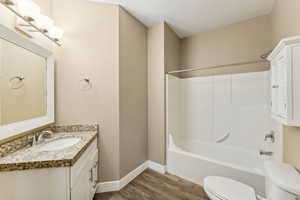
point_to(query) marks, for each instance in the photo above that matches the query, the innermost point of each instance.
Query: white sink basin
(59, 144)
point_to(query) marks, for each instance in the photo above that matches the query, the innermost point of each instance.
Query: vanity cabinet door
(81, 189)
(93, 174)
(84, 175)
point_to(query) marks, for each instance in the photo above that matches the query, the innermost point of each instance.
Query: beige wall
(106, 44)
(285, 23)
(285, 17)
(172, 49)
(163, 54)
(133, 93)
(90, 49)
(156, 94)
(244, 41)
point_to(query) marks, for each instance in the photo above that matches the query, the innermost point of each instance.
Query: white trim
(112, 186)
(118, 185)
(157, 167)
(108, 186)
(132, 175)
(283, 43)
(28, 125)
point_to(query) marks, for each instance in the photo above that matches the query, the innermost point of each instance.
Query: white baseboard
(132, 175)
(157, 167)
(118, 185)
(108, 186)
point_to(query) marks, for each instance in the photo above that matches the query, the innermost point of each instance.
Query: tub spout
(265, 153)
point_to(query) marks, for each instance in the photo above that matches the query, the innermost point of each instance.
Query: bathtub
(194, 161)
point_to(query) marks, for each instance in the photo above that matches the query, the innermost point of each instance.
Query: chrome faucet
(265, 153)
(43, 133)
(270, 136)
(39, 136)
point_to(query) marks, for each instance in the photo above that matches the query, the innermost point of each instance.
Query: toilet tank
(282, 181)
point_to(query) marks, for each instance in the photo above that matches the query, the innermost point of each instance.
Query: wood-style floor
(154, 186)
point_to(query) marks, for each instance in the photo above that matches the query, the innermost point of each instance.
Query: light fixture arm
(9, 3)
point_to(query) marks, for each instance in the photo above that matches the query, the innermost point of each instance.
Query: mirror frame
(17, 128)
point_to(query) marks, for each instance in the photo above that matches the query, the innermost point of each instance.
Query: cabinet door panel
(295, 102)
(81, 189)
(285, 61)
(274, 87)
(282, 82)
(94, 173)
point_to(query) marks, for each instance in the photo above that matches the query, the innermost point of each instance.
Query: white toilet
(282, 183)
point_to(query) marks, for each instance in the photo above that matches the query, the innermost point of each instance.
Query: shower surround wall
(216, 127)
(206, 109)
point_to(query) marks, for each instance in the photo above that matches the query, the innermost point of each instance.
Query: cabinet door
(81, 189)
(282, 83)
(274, 87)
(94, 174)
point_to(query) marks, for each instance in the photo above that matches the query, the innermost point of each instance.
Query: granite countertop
(31, 158)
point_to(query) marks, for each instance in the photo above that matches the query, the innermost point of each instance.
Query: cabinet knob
(275, 86)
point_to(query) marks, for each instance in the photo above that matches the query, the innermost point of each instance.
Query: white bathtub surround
(209, 108)
(119, 184)
(218, 125)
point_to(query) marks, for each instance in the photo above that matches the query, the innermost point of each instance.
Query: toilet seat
(220, 188)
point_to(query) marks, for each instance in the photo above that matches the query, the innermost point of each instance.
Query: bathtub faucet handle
(270, 136)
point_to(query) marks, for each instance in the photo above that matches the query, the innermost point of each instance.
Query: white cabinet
(84, 175)
(285, 82)
(70, 183)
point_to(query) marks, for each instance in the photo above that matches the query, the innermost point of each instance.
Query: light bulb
(28, 9)
(44, 23)
(10, 2)
(56, 33)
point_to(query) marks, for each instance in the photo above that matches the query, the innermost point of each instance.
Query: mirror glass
(22, 84)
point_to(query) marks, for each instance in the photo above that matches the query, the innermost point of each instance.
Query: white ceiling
(188, 17)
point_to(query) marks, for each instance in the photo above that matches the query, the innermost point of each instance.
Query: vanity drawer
(82, 163)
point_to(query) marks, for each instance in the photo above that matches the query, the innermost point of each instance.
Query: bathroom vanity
(64, 167)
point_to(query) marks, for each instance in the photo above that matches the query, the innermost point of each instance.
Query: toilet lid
(227, 189)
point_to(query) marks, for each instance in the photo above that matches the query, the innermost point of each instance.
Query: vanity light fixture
(28, 9)
(44, 23)
(10, 2)
(30, 13)
(56, 33)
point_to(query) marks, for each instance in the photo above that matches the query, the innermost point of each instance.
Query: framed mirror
(26, 85)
